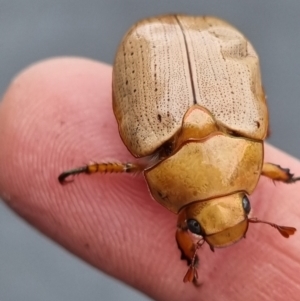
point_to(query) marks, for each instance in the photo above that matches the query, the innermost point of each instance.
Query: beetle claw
(62, 178)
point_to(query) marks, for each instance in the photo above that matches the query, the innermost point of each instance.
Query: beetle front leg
(114, 167)
(277, 173)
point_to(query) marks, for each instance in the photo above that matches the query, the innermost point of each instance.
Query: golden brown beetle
(187, 91)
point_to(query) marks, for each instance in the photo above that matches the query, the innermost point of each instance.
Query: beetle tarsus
(110, 167)
(62, 178)
(277, 173)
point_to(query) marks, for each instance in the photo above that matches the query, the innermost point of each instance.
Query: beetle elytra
(187, 91)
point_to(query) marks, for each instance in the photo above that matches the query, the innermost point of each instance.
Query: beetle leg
(277, 173)
(102, 168)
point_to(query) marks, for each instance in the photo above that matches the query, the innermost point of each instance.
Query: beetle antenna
(283, 230)
(192, 274)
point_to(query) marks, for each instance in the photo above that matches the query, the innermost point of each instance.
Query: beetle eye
(194, 226)
(246, 204)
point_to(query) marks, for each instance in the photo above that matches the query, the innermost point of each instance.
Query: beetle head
(221, 222)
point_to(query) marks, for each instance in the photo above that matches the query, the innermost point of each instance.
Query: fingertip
(38, 104)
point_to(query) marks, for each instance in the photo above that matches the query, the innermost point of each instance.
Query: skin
(57, 115)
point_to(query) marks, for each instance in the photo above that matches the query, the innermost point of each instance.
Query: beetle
(187, 93)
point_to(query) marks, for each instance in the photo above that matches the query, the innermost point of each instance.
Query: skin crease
(57, 115)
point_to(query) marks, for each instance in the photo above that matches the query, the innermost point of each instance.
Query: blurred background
(31, 266)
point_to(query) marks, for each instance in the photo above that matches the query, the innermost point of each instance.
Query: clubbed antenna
(283, 230)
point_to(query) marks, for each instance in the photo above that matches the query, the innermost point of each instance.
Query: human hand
(57, 115)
